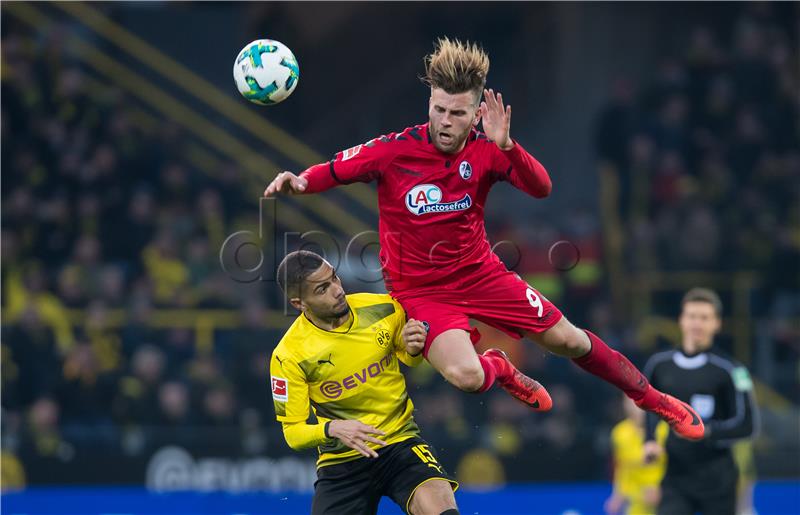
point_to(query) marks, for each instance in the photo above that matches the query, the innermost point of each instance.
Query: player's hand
(652, 451)
(414, 334)
(355, 435)
(614, 504)
(651, 495)
(287, 183)
(496, 119)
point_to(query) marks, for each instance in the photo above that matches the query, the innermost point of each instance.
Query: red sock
(493, 368)
(610, 365)
(489, 372)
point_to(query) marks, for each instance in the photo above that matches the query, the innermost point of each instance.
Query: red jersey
(431, 203)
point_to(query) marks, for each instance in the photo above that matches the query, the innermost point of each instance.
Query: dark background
(670, 131)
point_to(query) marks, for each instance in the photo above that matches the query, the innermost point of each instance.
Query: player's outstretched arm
(362, 163)
(286, 183)
(355, 435)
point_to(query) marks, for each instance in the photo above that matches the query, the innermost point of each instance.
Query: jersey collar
(339, 330)
(690, 362)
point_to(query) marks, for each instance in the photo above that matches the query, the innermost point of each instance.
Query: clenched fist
(414, 334)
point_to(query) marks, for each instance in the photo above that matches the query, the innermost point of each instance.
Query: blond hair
(456, 67)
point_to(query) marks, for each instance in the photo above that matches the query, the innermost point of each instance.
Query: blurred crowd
(105, 222)
(708, 151)
(707, 154)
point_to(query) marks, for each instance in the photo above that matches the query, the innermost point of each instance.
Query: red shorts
(491, 294)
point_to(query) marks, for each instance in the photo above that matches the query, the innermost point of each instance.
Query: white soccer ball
(266, 72)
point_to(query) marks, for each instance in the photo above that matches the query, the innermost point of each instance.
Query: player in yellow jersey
(636, 481)
(340, 358)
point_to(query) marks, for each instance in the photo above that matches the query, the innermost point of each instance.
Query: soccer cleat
(522, 387)
(679, 415)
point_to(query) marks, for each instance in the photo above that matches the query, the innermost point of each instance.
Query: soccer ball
(266, 72)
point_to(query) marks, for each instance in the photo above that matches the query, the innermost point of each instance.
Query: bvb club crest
(383, 337)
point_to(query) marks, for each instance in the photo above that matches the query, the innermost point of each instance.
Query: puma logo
(323, 361)
(437, 467)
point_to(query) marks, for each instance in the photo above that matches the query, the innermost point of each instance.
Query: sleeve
(304, 436)
(651, 419)
(523, 171)
(397, 338)
(361, 163)
(289, 388)
(737, 394)
(292, 406)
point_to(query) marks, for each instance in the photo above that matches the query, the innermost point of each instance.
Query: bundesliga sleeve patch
(280, 389)
(741, 379)
(351, 152)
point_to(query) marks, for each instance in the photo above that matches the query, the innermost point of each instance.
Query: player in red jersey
(433, 180)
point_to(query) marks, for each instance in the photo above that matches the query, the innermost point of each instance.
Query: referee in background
(701, 475)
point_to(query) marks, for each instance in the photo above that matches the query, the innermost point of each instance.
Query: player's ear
(717, 324)
(296, 303)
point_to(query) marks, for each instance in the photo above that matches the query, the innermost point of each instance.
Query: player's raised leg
(453, 355)
(434, 496)
(593, 355)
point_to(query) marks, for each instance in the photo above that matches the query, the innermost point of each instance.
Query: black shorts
(356, 487)
(711, 490)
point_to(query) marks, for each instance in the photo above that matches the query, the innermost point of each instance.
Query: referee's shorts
(710, 491)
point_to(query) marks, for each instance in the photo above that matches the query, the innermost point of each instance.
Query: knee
(468, 378)
(569, 342)
(434, 497)
(577, 343)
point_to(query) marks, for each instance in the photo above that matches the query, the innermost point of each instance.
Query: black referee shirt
(720, 390)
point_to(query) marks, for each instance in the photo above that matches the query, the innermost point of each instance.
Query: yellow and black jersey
(631, 474)
(348, 373)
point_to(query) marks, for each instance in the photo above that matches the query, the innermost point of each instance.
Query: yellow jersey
(631, 474)
(348, 373)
